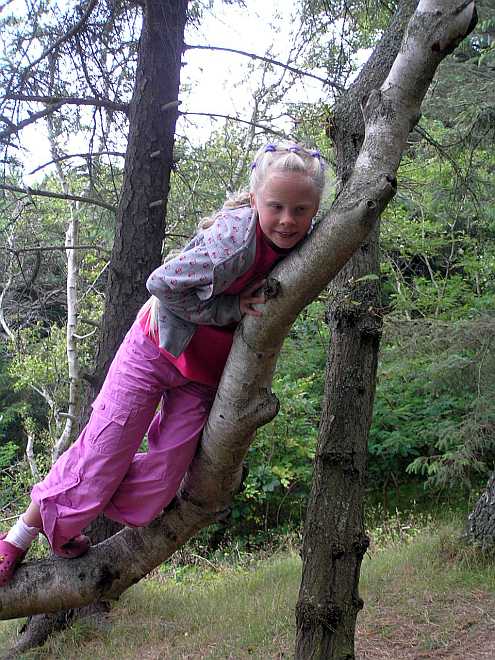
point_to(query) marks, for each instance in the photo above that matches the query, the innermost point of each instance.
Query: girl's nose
(287, 218)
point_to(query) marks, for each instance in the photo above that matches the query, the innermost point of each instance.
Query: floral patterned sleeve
(184, 285)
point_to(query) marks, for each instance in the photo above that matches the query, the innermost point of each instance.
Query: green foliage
(8, 451)
(435, 405)
(12, 405)
(280, 459)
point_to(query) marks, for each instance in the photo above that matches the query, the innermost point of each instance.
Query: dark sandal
(73, 548)
(10, 557)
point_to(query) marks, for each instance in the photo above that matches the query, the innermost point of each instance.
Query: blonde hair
(281, 157)
(287, 157)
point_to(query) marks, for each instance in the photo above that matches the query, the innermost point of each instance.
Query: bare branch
(269, 60)
(9, 270)
(54, 104)
(232, 118)
(83, 155)
(48, 193)
(47, 248)
(30, 454)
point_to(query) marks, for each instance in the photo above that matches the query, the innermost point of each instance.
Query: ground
(462, 627)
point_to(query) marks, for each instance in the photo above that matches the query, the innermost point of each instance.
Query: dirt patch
(460, 627)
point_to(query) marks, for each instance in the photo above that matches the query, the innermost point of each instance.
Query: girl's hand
(246, 299)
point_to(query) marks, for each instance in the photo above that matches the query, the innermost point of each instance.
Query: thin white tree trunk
(71, 240)
(30, 453)
(70, 427)
(245, 400)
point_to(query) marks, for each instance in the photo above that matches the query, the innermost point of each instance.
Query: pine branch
(15, 128)
(61, 40)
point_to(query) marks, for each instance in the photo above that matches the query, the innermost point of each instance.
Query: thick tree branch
(269, 60)
(54, 195)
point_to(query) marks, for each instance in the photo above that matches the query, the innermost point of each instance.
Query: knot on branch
(376, 106)
(271, 288)
(257, 410)
(360, 546)
(106, 577)
(340, 459)
(311, 615)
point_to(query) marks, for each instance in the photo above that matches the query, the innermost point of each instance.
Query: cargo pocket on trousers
(106, 427)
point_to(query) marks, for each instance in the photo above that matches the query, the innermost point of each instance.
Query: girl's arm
(184, 286)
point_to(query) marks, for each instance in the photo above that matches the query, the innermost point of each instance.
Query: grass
(426, 595)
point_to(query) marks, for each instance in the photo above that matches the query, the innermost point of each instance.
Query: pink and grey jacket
(190, 286)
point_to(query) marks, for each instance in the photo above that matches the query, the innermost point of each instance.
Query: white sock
(21, 535)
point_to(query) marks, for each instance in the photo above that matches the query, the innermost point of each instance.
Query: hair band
(270, 147)
(294, 149)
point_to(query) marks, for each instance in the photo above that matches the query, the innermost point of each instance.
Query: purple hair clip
(316, 154)
(253, 165)
(271, 147)
(294, 149)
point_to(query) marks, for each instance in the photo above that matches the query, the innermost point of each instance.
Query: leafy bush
(435, 404)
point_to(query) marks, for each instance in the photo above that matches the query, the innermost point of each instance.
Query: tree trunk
(140, 227)
(334, 537)
(480, 527)
(140, 221)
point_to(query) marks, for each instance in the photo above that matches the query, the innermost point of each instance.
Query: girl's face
(286, 204)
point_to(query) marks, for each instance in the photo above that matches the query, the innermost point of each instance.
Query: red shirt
(204, 358)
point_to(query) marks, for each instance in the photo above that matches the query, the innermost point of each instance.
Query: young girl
(173, 355)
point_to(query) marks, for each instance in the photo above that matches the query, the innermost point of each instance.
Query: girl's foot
(73, 548)
(10, 557)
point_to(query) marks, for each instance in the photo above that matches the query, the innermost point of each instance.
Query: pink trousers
(102, 472)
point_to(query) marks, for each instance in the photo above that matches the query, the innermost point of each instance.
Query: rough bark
(140, 225)
(480, 528)
(334, 538)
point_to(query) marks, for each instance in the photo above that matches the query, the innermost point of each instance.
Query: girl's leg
(32, 516)
(83, 480)
(154, 477)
